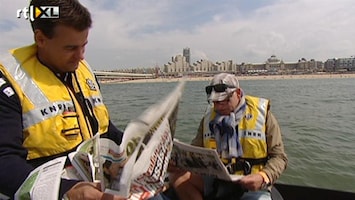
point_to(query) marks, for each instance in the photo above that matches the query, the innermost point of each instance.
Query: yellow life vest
(53, 120)
(251, 132)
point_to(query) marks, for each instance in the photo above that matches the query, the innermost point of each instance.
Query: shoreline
(257, 77)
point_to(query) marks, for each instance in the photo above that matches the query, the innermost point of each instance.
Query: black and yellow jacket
(50, 108)
(43, 116)
(251, 131)
(260, 137)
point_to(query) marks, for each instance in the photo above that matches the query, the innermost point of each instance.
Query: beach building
(340, 64)
(177, 66)
(186, 54)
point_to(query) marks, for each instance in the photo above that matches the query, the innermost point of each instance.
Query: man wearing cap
(248, 139)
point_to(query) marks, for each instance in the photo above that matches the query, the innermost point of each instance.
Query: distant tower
(186, 54)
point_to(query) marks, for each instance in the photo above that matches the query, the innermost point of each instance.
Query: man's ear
(40, 38)
(239, 92)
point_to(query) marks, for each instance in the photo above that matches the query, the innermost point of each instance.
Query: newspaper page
(87, 161)
(43, 182)
(97, 160)
(113, 160)
(147, 143)
(200, 160)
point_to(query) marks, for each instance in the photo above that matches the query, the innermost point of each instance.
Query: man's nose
(80, 53)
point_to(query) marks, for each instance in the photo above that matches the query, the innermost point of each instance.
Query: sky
(129, 34)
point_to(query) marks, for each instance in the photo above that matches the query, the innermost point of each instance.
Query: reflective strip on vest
(257, 133)
(96, 100)
(45, 112)
(262, 113)
(43, 108)
(29, 88)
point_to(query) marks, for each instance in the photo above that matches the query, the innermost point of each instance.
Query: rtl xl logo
(33, 12)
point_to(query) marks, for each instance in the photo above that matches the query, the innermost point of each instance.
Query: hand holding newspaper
(201, 161)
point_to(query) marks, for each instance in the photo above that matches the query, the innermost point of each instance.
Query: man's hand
(89, 191)
(252, 182)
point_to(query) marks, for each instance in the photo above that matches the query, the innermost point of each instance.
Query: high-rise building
(186, 54)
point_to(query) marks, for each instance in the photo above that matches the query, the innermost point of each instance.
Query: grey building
(186, 54)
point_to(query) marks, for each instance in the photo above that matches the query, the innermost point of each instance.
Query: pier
(106, 76)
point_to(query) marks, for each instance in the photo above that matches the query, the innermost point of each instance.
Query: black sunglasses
(217, 88)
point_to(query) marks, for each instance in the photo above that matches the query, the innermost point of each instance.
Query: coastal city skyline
(181, 65)
(134, 34)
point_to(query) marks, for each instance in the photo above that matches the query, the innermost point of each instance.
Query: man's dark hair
(71, 13)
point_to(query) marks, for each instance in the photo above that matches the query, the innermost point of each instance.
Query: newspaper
(148, 142)
(137, 168)
(43, 182)
(200, 160)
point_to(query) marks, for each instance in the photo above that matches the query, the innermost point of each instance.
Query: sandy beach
(259, 77)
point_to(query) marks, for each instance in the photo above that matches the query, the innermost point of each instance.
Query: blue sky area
(136, 33)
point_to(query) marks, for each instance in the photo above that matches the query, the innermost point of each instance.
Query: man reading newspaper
(246, 136)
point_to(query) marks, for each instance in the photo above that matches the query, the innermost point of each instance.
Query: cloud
(132, 33)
